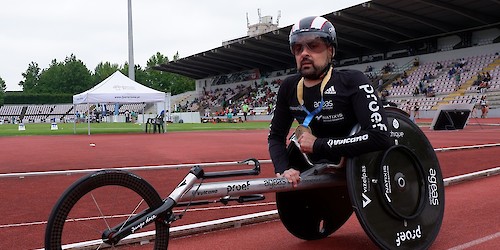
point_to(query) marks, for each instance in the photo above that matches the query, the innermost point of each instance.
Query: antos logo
(373, 106)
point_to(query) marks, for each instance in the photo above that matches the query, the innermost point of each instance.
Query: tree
(31, 78)
(158, 79)
(181, 84)
(70, 76)
(3, 88)
(156, 59)
(140, 75)
(165, 81)
(176, 56)
(103, 71)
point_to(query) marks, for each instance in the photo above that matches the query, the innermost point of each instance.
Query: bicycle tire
(102, 179)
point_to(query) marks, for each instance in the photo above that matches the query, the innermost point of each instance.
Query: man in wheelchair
(327, 103)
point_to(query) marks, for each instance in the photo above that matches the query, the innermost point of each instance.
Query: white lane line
(476, 242)
(24, 224)
(35, 223)
(471, 176)
(178, 166)
(467, 147)
(137, 168)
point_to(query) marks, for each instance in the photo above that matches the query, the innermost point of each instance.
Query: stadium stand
(448, 83)
(32, 113)
(441, 79)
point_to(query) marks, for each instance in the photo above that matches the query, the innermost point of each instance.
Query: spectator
(404, 81)
(133, 116)
(457, 80)
(487, 76)
(416, 91)
(422, 86)
(479, 79)
(395, 83)
(244, 109)
(430, 91)
(462, 62)
(475, 107)
(484, 107)
(483, 86)
(383, 96)
(407, 107)
(416, 62)
(451, 72)
(439, 65)
(127, 116)
(387, 68)
(416, 110)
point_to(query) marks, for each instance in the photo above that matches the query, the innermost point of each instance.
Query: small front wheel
(98, 202)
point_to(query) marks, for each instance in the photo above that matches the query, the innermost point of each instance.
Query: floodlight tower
(131, 65)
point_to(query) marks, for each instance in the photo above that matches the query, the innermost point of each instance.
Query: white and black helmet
(316, 25)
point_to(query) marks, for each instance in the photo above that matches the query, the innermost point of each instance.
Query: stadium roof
(373, 27)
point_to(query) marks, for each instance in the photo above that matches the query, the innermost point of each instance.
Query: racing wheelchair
(397, 196)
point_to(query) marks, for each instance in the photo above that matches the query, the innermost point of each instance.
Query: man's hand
(306, 142)
(292, 175)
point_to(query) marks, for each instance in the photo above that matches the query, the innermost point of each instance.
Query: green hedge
(33, 98)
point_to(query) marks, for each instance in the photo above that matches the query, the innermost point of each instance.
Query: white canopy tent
(118, 88)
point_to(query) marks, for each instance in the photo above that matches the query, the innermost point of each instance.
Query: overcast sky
(96, 30)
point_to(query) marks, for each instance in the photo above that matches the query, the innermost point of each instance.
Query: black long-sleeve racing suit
(349, 99)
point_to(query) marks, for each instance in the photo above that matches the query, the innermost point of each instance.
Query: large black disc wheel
(398, 194)
(99, 202)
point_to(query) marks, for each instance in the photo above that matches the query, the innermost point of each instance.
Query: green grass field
(110, 128)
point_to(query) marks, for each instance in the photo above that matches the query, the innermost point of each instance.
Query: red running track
(471, 208)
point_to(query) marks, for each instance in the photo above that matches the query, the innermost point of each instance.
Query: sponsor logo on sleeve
(336, 142)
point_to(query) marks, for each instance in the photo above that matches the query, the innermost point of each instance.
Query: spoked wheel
(98, 202)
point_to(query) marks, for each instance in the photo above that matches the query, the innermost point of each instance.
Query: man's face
(312, 55)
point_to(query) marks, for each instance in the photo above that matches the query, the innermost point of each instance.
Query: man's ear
(331, 51)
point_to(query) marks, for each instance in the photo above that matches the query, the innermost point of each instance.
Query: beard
(311, 70)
